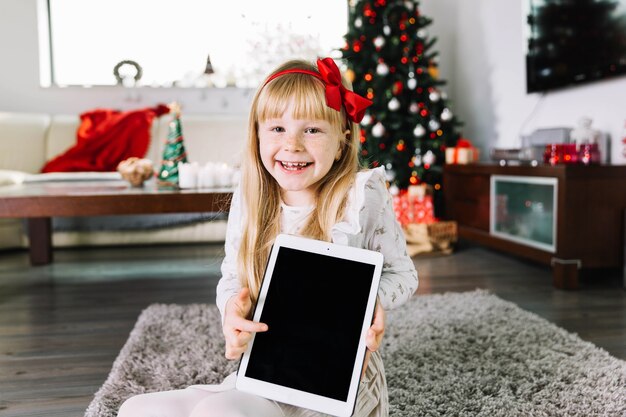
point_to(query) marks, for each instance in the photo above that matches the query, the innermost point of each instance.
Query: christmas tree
(388, 53)
(174, 151)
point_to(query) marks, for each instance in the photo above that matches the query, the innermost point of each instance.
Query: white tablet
(318, 300)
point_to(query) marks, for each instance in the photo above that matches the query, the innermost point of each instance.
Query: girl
(300, 175)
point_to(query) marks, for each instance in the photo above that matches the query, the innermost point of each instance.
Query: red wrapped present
(413, 208)
(463, 153)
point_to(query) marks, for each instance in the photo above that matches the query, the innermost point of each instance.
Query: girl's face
(298, 153)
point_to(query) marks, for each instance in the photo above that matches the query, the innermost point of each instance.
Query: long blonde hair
(261, 193)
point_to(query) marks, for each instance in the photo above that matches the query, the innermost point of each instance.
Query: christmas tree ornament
(417, 160)
(394, 190)
(349, 75)
(358, 22)
(387, 30)
(433, 71)
(433, 125)
(174, 151)
(397, 88)
(413, 108)
(446, 115)
(411, 83)
(382, 69)
(379, 42)
(367, 119)
(422, 33)
(394, 104)
(419, 131)
(434, 96)
(378, 130)
(429, 158)
(390, 175)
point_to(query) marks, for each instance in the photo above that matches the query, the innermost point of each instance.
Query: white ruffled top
(369, 222)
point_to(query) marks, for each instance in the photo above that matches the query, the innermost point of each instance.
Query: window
(171, 41)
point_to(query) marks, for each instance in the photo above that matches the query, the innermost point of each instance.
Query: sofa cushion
(62, 134)
(22, 137)
(207, 138)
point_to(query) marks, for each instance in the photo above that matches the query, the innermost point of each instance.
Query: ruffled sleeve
(229, 284)
(371, 220)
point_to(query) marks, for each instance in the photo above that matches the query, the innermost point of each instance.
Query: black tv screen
(573, 42)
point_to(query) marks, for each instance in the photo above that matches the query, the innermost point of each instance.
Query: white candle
(206, 177)
(188, 175)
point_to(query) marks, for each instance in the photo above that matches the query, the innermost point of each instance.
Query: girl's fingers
(235, 353)
(377, 329)
(372, 341)
(244, 325)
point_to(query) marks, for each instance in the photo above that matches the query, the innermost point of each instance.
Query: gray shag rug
(455, 354)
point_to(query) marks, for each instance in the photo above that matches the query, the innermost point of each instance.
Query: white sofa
(29, 140)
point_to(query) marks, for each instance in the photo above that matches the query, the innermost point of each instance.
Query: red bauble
(398, 86)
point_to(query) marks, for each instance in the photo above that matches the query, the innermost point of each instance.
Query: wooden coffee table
(39, 202)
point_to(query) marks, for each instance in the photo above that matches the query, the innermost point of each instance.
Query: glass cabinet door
(524, 210)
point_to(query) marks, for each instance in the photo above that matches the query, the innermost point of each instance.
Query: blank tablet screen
(314, 309)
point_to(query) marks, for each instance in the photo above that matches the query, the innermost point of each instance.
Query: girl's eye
(312, 130)
(278, 129)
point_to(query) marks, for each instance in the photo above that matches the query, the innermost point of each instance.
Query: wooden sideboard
(589, 214)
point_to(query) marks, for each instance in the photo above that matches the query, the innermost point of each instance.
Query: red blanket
(105, 138)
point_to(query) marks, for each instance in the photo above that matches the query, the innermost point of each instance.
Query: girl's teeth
(294, 165)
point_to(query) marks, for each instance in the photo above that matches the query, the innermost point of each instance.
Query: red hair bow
(336, 93)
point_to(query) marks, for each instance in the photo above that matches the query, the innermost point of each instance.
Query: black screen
(574, 41)
(314, 309)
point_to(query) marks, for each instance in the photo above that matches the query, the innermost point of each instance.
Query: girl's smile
(298, 153)
(295, 166)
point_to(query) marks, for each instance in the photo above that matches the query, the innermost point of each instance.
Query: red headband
(336, 93)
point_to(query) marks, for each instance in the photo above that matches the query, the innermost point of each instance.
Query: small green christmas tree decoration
(174, 151)
(388, 52)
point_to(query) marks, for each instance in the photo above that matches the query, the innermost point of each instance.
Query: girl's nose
(293, 143)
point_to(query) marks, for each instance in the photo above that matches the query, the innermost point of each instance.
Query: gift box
(463, 153)
(414, 206)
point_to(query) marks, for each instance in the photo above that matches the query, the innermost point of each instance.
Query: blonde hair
(261, 193)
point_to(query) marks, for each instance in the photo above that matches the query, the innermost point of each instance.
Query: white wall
(481, 56)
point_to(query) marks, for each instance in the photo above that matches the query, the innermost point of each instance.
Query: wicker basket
(434, 237)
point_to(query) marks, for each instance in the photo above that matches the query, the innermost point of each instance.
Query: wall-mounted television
(571, 42)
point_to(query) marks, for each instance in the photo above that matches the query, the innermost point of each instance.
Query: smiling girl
(300, 175)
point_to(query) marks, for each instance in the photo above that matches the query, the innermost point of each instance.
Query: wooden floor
(62, 325)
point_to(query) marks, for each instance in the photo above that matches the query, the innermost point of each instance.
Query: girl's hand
(237, 329)
(374, 336)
